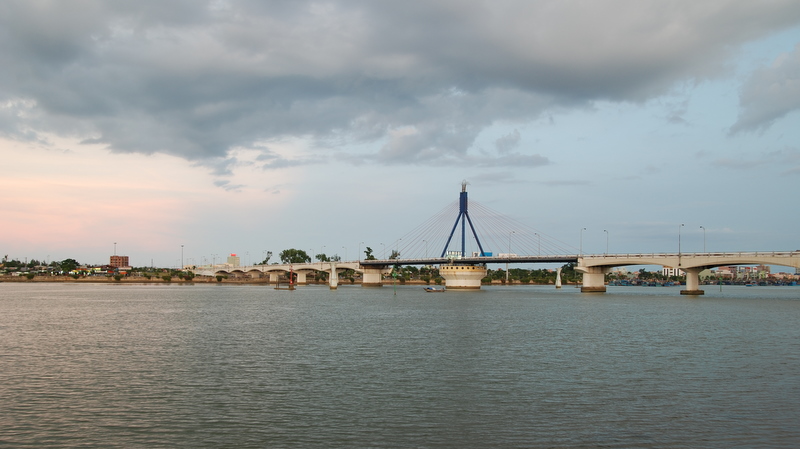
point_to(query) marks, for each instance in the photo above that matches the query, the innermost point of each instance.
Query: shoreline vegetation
(208, 280)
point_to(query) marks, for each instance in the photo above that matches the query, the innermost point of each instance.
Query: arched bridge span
(594, 267)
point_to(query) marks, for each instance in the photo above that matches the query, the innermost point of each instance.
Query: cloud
(770, 94)
(738, 164)
(513, 160)
(418, 80)
(565, 183)
(228, 186)
(792, 171)
(508, 142)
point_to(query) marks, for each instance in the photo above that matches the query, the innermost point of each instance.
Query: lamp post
(359, 250)
(606, 241)
(426, 248)
(115, 248)
(581, 248)
(383, 254)
(181, 257)
(679, 239)
(704, 238)
(509, 253)
(345, 253)
(539, 253)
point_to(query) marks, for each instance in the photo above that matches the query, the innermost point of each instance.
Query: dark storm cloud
(197, 79)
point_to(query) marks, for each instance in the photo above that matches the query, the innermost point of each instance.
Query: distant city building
(620, 271)
(744, 272)
(234, 260)
(119, 261)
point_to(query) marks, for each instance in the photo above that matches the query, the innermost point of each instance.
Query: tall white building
(234, 260)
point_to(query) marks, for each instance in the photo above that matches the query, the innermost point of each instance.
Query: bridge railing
(515, 258)
(777, 254)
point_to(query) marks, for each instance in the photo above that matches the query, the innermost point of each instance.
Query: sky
(184, 130)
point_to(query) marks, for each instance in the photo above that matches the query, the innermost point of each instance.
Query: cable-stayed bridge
(464, 229)
(463, 250)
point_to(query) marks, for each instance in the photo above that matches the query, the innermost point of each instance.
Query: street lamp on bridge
(509, 253)
(704, 238)
(606, 241)
(581, 248)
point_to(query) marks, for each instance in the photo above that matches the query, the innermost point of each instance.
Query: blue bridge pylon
(463, 216)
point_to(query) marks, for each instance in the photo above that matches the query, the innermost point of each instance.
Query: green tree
(266, 260)
(569, 274)
(68, 265)
(368, 254)
(395, 255)
(323, 258)
(294, 256)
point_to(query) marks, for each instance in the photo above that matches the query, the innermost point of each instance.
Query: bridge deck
(787, 258)
(470, 260)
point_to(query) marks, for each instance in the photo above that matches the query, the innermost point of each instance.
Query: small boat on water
(433, 290)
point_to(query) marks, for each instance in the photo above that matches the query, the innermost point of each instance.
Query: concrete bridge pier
(462, 276)
(301, 277)
(333, 279)
(594, 279)
(372, 277)
(693, 281)
(274, 278)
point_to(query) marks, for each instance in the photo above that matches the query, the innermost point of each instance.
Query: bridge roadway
(466, 273)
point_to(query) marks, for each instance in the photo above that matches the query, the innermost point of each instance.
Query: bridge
(595, 267)
(467, 272)
(463, 270)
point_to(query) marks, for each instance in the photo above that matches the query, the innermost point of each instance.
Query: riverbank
(200, 280)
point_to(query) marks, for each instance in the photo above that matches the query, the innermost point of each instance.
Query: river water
(525, 366)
